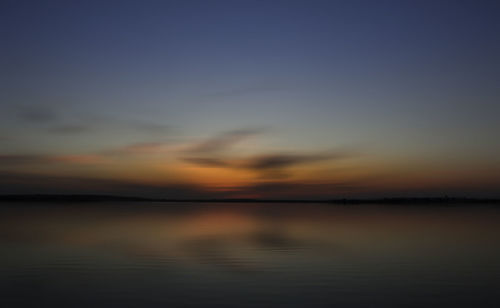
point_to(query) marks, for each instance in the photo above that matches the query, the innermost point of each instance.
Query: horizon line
(109, 198)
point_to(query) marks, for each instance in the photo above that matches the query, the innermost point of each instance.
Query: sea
(140, 254)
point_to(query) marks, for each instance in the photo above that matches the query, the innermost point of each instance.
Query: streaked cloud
(140, 148)
(291, 189)
(271, 165)
(149, 127)
(24, 159)
(38, 114)
(70, 129)
(14, 182)
(214, 152)
(208, 162)
(284, 160)
(223, 141)
(59, 119)
(8, 160)
(80, 159)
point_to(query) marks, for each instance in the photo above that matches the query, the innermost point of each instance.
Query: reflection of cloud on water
(216, 251)
(276, 240)
(229, 240)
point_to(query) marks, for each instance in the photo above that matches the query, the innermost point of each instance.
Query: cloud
(223, 141)
(79, 159)
(273, 165)
(70, 129)
(283, 160)
(36, 159)
(63, 119)
(291, 190)
(208, 162)
(205, 152)
(101, 124)
(145, 146)
(213, 152)
(24, 159)
(25, 183)
(37, 114)
(94, 125)
(140, 148)
(149, 127)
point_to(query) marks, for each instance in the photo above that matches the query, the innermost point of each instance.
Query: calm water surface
(248, 255)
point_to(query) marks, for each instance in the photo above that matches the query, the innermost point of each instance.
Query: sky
(250, 99)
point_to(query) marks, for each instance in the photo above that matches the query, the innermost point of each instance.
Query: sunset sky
(265, 99)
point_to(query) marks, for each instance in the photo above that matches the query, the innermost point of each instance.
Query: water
(248, 255)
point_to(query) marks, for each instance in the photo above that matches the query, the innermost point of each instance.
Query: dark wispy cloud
(202, 152)
(214, 152)
(24, 159)
(208, 162)
(59, 119)
(277, 165)
(95, 125)
(25, 183)
(287, 189)
(149, 127)
(9, 160)
(273, 165)
(140, 148)
(70, 129)
(284, 160)
(223, 141)
(38, 114)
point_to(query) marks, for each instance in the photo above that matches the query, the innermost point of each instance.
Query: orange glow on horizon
(217, 178)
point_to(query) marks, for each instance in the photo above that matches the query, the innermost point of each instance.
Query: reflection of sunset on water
(220, 253)
(173, 231)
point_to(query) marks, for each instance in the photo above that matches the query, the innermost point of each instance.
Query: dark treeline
(111, 198)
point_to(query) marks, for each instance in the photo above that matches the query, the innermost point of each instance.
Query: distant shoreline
(110, 198)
